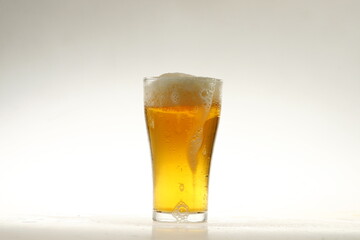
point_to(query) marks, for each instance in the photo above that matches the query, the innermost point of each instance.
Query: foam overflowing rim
(175, 89)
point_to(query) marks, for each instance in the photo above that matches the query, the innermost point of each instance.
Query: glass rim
(149, 79)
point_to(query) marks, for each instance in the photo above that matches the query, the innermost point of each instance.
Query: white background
(72, 132)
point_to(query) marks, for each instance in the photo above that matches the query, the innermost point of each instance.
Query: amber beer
(182, 114)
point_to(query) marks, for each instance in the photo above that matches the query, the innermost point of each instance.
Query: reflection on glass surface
(173, 231)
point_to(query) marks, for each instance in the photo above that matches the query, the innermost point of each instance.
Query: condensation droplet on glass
(174, 97)
(204, 152)
(204, 93)
(152, 123)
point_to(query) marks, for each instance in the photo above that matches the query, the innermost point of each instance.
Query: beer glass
(182, 114)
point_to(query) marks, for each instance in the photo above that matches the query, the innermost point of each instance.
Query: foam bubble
(175, 89)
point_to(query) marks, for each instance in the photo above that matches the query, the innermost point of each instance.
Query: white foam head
(179, 89)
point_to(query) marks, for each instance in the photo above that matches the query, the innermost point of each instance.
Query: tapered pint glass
(182, 114)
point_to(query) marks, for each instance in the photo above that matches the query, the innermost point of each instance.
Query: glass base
(177, 217)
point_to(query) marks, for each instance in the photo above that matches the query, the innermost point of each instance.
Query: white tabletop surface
(112, 227)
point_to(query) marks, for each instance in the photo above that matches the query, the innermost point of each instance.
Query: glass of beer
(182, 114)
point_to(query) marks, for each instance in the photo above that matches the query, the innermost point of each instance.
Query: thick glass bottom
(179, 217)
